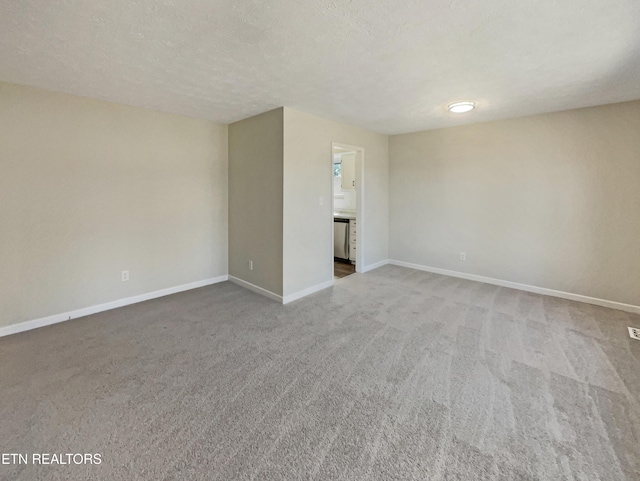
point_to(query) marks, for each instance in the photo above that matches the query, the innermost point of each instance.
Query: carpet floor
(393, 374)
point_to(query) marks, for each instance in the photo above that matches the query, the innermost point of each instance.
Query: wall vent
(634, 332)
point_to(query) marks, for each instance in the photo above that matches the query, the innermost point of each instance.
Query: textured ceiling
(387, 65)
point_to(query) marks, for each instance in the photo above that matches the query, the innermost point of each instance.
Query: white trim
(375, 265)
(346, 148)
(256, 289)
(523, 287)
(305, 292)
(86, 311)
(360, 211)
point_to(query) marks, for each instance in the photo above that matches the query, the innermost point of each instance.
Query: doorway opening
(347, 168)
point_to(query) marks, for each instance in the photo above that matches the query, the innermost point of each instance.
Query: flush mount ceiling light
(461, 107)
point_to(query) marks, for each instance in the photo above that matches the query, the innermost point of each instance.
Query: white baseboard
(256, 289)
(305, 292)
(375, 265)
(86, 311)
(523, 287)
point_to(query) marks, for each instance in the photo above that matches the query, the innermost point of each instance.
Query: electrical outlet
(250, 263)
(125, 276)
(634, 333)
(463, 256)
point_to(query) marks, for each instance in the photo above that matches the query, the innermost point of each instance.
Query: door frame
(360, 210)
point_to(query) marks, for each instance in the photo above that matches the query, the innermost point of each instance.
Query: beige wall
(551, 200)
(308, 167)
(255, 200)
(89, 188)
